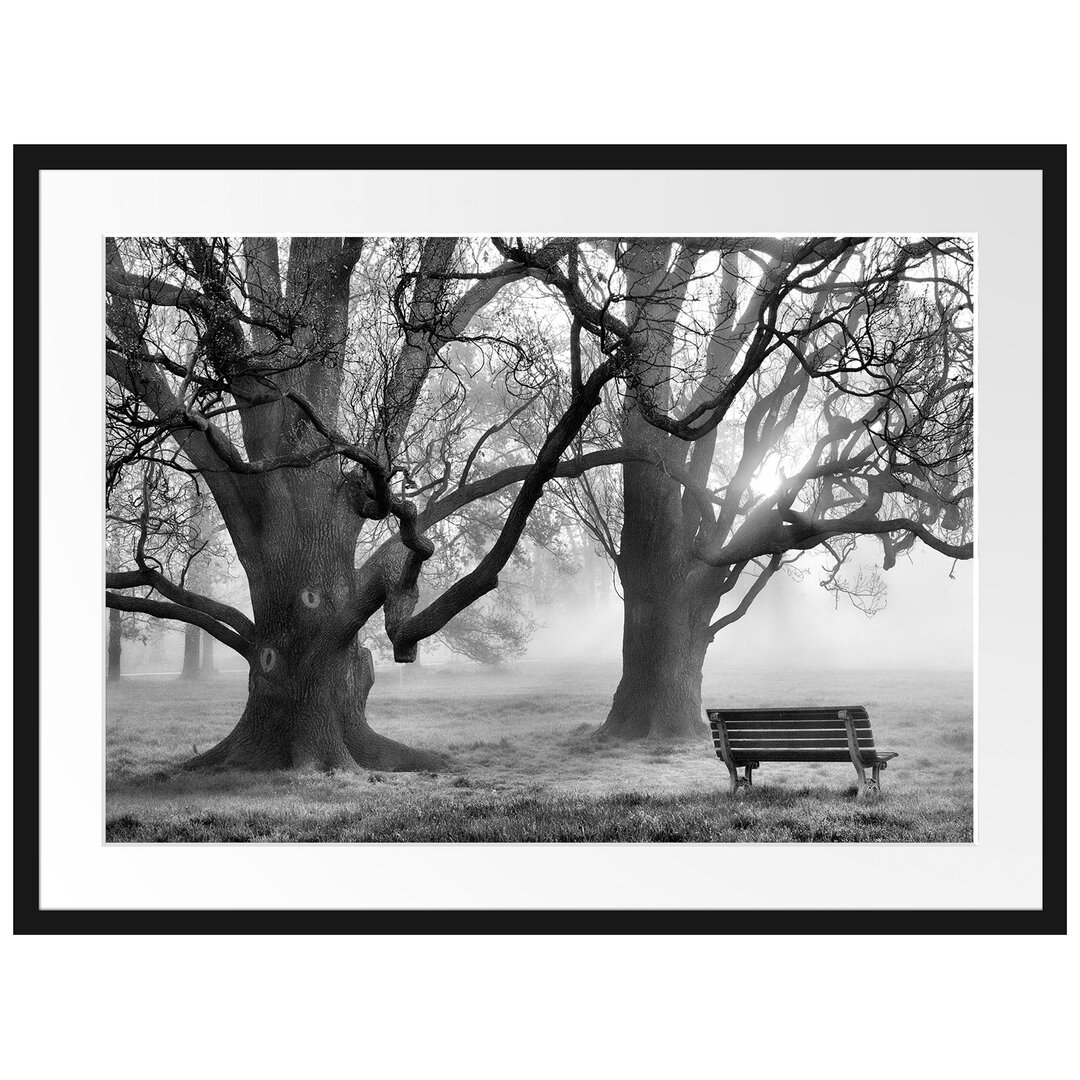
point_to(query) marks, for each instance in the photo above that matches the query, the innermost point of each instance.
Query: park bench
(746, 737)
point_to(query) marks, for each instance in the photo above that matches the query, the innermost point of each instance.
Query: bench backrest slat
(830, 712)
(794, 725)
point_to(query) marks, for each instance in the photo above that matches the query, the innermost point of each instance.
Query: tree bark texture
(308, 679)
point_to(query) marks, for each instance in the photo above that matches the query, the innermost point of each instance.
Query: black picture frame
(30, 918)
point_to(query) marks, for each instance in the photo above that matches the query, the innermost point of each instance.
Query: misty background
(928, 622)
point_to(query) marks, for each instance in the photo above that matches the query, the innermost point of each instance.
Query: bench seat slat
(766, 754)
(822, 740)
(744, 751)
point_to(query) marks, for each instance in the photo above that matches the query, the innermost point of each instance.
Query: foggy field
(524, 767)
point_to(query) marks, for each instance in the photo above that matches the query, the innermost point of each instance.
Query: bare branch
(163, 610)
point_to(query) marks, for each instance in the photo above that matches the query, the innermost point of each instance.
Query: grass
(526, 768)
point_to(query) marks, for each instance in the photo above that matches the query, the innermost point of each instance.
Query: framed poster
(569, 397)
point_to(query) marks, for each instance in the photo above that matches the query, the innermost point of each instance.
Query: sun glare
(768, 478)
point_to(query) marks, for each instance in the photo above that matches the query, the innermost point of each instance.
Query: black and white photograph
(504, 529)
(539, 538)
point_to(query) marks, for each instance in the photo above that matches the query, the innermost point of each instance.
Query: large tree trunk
(206, 664)
(659, 693)
(309, 679)
(114, 645)
(190, 669)
(295, 530)
(315, 718)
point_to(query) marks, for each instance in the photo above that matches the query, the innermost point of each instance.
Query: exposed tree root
(361, 748)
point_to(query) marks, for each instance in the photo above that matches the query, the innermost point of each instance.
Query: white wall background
(477, 72)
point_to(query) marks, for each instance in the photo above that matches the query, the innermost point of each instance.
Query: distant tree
(115, 645)
(166, 524)
(207, 667)
(205, 570)
(123, 626)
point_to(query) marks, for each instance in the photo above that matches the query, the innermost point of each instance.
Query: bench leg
(871, 788)
(741, 784)
(734, 774)
(861, 773)
(873, 785)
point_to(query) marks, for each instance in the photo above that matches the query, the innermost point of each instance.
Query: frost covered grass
(525, 767)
